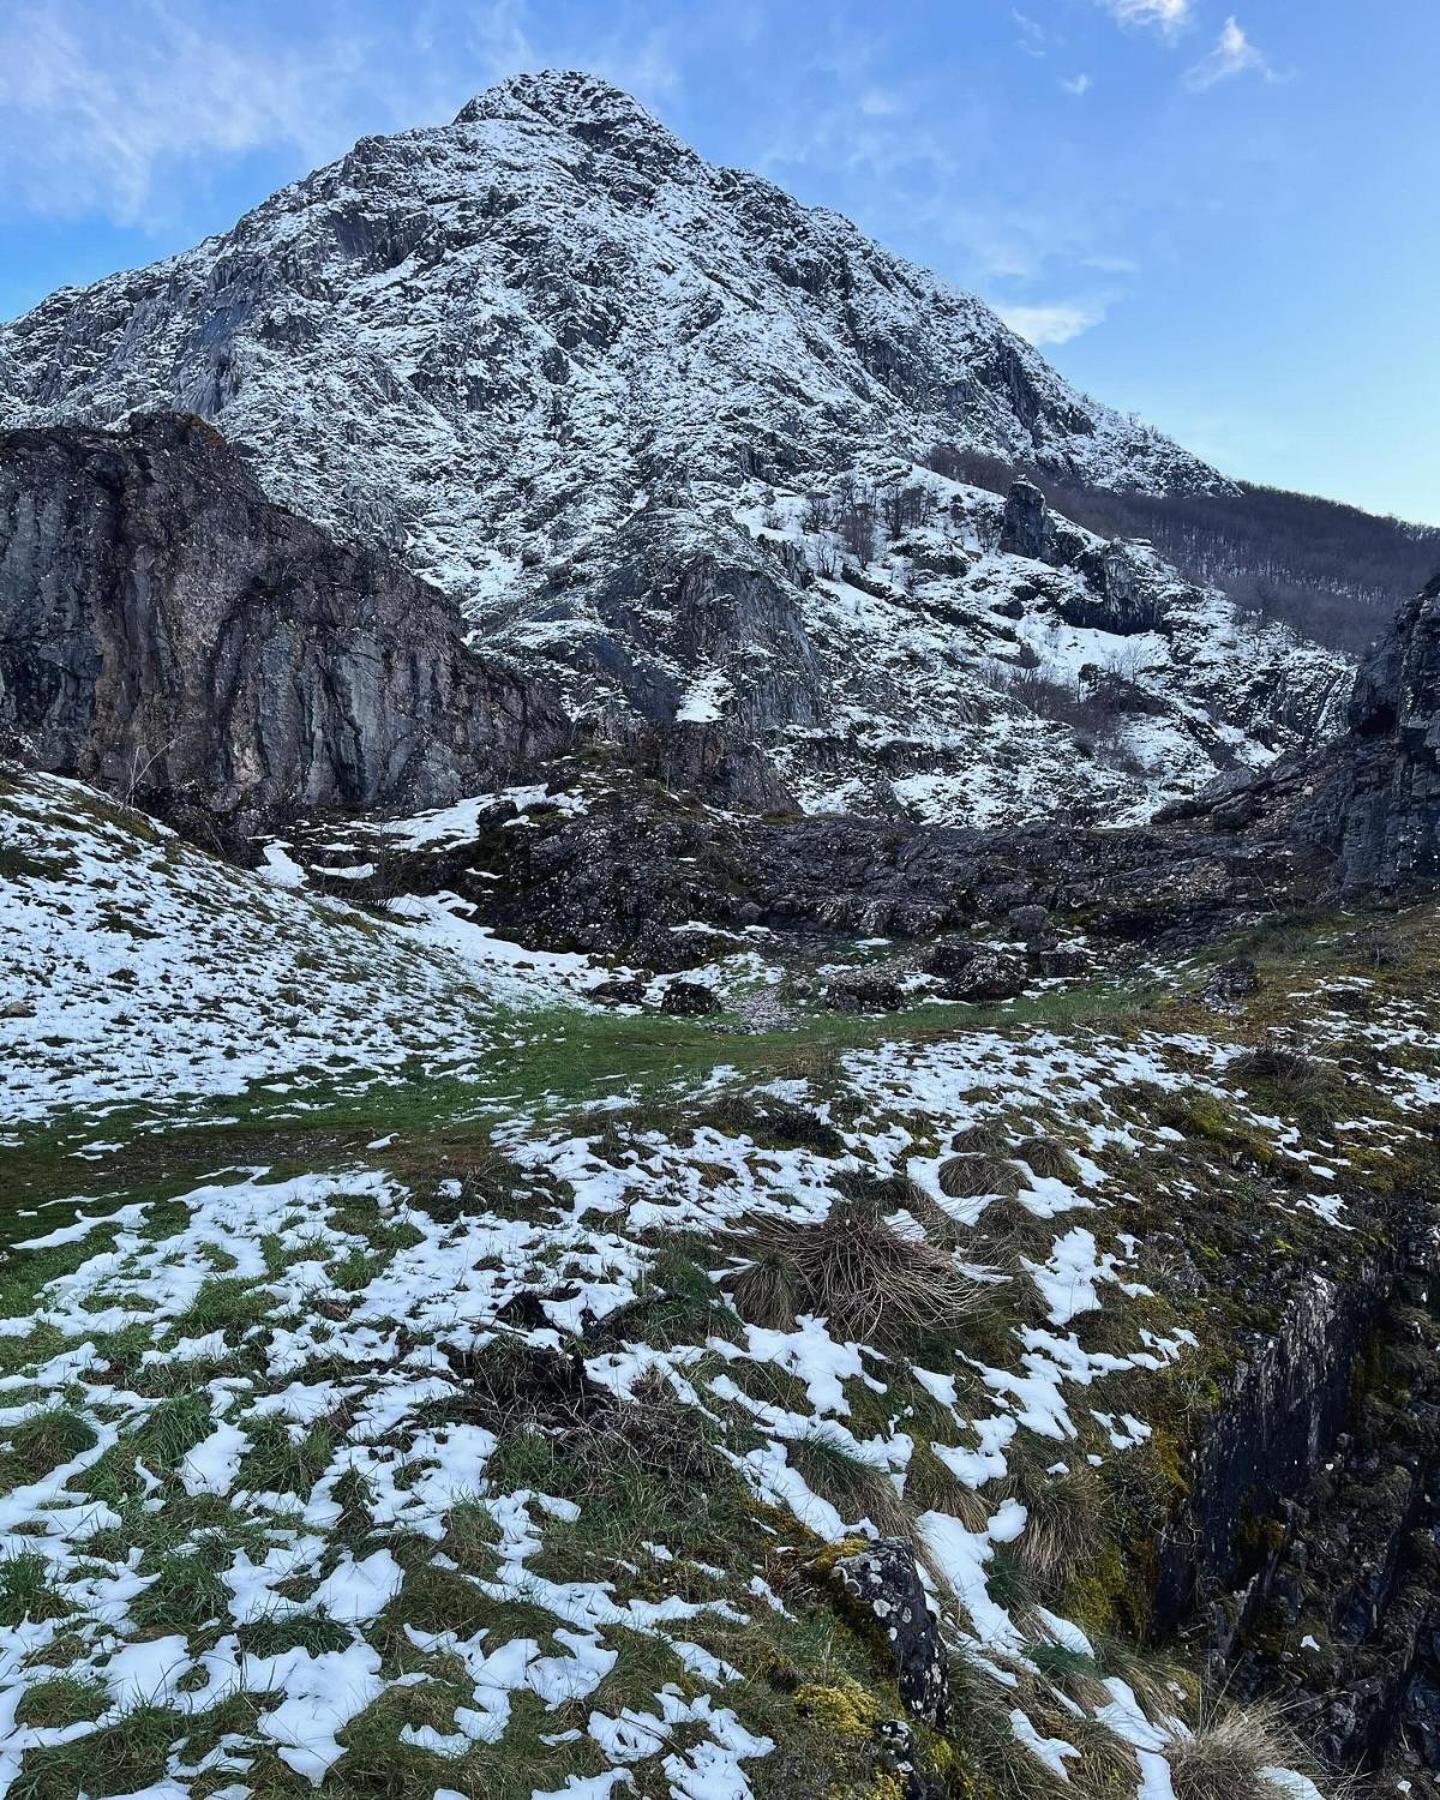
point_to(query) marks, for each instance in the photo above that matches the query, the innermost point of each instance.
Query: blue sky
(1219, 213)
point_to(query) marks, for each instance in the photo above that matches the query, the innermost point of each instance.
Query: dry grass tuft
(991, 1754)
(1007, 1232)
(1048, 1158)
(768, 1293)
(897, 1193)
(855, 1270)
(1226, 1756)
(856, 1489)
(972, 1176)
(988, 1137)
(931, 1487)
(1064, 1519)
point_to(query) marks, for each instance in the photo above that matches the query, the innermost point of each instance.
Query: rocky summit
(661, 435)
(706, 1088)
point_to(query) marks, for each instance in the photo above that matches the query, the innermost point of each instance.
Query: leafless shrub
(828, 560)
(904, 506)
(855, 526)
(1095, 705)
(973, 467)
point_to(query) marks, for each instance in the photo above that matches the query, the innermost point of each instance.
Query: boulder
(689, 1000)
(950, 956)
(1031, 924)
(882, 1583)
(989, 977)
(1061, 961)
(864, 991)
(619, 990)
(1232, 982)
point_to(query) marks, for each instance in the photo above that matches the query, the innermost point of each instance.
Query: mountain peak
(570, 98)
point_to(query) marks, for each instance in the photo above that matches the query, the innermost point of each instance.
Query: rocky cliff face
(1387, 797)
(655, 428)
(168, 633)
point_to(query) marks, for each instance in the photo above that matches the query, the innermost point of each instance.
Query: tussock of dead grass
(974, 1175)
(852, 1268)
(1048, 1158)
(1226, 1756)
(1064, 1519)
(985, 1138)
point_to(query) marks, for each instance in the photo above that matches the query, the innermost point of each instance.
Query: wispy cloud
(96, 110)
(112, 111)
(1055, 323)
(1233, 55)
(1166, 16)
(1076, 84)
(1033, 36)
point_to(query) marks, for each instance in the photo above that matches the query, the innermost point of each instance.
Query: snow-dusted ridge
(567, 370)
(516, 327)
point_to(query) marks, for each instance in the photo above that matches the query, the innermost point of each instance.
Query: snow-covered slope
(566, 368)
(134, 968)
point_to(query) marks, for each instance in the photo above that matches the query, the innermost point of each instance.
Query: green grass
(62, 1700)
(44, 1441)
(26, 1591)
(552, 1057)
(187, 1592)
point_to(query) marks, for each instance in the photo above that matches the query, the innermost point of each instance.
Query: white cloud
(879, 103)
(1167, 16)
(1076, 84)
(1233, 54)
(1033, 36)
(1056, 323)
(96, 109)
(116, 110)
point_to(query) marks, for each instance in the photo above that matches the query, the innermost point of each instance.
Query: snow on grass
(133, 967)
(460, 822)
(268, 1432)
(323, 1327)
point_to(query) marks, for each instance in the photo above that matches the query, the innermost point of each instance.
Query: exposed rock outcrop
(1120, 594)
(628, 874)
(882, 1583)
(169, 634)
(1386, 797)
(1370, 799)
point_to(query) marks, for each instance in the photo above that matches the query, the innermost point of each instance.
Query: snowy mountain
(652, 425)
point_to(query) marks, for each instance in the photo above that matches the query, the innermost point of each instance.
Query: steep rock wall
(169, 634)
